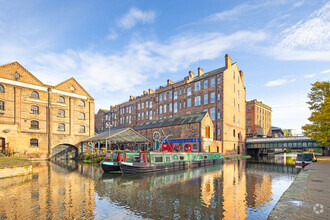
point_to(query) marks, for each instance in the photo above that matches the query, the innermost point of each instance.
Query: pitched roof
(211, 73)
(119, 135)
(179, 120)
(72, 78)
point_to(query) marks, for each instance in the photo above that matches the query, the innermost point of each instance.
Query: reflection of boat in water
(112, 163)
(303, 159)
(166, 161)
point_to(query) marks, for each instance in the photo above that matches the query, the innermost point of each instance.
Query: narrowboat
(112, 163)
(303, 159)
(165, 161)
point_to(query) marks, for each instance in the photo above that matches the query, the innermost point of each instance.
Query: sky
(115, 49)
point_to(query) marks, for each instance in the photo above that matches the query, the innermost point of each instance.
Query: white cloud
(134, 16)
(310, 75)
(325, 71)
(306, 40)
(279, 82)
(112, 35)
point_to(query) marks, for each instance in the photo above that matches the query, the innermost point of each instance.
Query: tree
(319, 104)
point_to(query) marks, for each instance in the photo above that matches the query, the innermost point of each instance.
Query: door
(2, 145)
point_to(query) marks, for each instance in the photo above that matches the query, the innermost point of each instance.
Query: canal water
(237, 189)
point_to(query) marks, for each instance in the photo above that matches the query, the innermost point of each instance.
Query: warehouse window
(35, 95)
(81, 103)
(2, 105)
(2, 89)
(61, 127)
(34, 142)
(61, 99)
(34, 109)
(61, 113)
(34, 125)
(81, 115)
(81, 129)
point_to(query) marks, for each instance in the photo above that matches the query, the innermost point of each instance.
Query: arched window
(82, 116)
(61, 99)
(61, 127)
(34, 125)
(34, 142)
(34, 109)
(2, 105)
(2, 89)
(81, 129)
(81, 103)
(61, 113)
(35, 95)
(207, 131)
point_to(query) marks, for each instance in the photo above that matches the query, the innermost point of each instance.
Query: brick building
(100, 120)
(258, 119)
(35, 118)
(194, 130)
(220, 92)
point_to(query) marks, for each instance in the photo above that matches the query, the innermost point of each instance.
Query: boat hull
(110, 166)
(136, 168)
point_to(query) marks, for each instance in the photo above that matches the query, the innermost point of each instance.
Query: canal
(237, 189)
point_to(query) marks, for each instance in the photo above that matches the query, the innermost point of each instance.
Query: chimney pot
(200, 71)
(227, 61)
(169, 82)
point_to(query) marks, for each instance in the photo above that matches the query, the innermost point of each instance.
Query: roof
(276, 128)
(118, 136)
(211, 73)
(179, 120)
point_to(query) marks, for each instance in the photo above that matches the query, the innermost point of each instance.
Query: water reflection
(234, 190)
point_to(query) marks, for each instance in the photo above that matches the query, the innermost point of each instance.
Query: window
(197, 100)
(165, 108)
(130, 109)
(234, 118)
(142, 115)
(206, 99)
(139, 116)
(234, 87)
(160, 109)
(158, 159)
(61, 127)
(219, 81)
(176, 95)
(212, 97)
(61, 113)
(2, 89)
(197, 86)
(206, 110)
(218, 114)
(170, 107)
(81, 116)
(212, 113)
(206, 84)
(168, 158)
(142, 105)
(35, 95)
(207, 131)
(139, 106)
(189, 92)
(150, 104)
(150, 115)
(165, 96)
(234, 74)
(2, 105)
(195, 148)
(34, 125)
(175, 107)
(147, 104)
(34, 109)
(34, 142)
(81, 103)
(234, 102)
(218, 96)
(188, 102)
(233, 132)
(248, 108)
(170, 94)
(61, 99)
(212, 82)
(181, 157)
(81, 129)
(160, 97)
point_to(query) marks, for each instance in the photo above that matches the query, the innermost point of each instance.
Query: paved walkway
(308, 197)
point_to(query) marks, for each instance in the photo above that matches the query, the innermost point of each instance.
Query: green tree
(319, 104)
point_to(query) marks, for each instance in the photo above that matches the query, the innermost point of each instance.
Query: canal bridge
(262, 145)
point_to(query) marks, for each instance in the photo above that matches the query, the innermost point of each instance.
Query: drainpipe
(49, 125)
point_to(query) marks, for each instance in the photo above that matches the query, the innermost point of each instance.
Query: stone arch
(64, 152)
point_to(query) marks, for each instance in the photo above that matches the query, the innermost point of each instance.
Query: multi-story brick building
(35, 118)
(258, 119)
(220, 92)
(100, 120)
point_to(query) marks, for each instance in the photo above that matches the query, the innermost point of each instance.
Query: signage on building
(189, 140)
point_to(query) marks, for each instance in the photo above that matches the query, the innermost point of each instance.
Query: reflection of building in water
(234, 190)
(49, 195)
(209, 187)
(259, 190)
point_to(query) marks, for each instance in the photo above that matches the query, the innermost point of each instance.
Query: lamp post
(109, 126)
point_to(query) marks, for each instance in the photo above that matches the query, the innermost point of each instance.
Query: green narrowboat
(165, 161)
(112, 163)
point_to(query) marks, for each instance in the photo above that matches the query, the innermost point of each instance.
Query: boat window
(205, 156)
(181, 157)
(168, 158)
(158, 159)
(191, 157)
(175, 157)
(136, 158)
(141, 158)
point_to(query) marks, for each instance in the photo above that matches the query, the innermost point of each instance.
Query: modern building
(36, 118)
(258, 119)
(219, 92)
(277, 132)
(100, 120)
(183, 132)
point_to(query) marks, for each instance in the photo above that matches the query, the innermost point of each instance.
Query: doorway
(2, 145)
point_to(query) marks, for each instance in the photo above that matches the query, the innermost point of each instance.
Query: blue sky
(121, 48)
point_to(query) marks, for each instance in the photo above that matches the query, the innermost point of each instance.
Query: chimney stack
(131, 97)
(151, 91)
(227, 61)
(145, 93)
(169, 82)
(241, 74)
(200, 71)
(191, 74)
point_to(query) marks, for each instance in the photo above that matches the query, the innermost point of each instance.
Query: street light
(109, 126)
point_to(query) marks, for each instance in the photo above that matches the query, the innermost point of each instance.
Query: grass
(238, 157)
(13, 162)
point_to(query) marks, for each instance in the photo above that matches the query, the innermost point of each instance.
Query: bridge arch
(64, 152)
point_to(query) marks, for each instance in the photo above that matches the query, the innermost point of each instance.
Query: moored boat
(303, 159)
(165, 161)
(112, 164)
